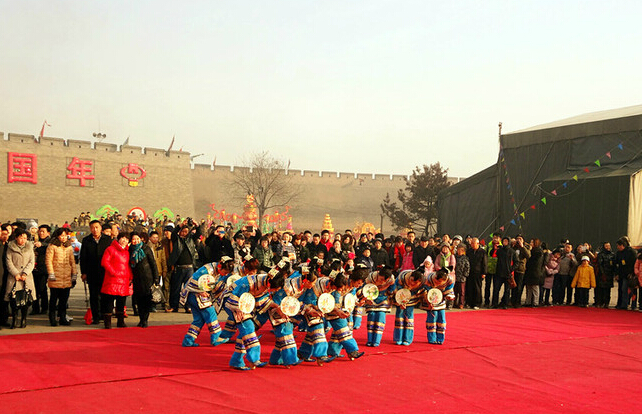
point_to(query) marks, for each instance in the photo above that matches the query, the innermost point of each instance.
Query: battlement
(158, 153)
(54, 142)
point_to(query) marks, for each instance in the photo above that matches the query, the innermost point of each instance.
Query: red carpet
(530, 360)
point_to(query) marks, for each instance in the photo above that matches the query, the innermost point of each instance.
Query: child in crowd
(550, 268)
(583, 281)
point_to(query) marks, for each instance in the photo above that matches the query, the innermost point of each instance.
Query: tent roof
(595, 123)
(485, 174)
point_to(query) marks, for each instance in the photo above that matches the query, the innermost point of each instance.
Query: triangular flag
(523, 215)
(554, 192)
(507, 181)
(585, 170)
(565, 184)
(575, 177)
(508, 186)
(512, 222)
(502, 228)
(597, 162)
(608, 154)
(544, 200)
(502, 159)
(533, 207)
(620, 146)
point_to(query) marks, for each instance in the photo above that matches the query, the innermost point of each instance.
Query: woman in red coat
(118, 280)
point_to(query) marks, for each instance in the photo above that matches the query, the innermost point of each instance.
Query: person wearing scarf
(143, 265)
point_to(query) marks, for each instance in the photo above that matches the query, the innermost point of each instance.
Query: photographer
(183, 257)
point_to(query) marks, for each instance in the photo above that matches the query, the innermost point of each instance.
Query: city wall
(171, 181)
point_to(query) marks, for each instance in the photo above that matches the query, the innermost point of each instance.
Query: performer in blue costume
(250, 267)
(200, 297)
(315, 345)
(436, 314)
(247, 343)
(404, 317)
(342, 334)
(285, 350)
(380, 306)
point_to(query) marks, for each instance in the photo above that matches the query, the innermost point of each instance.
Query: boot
(107, 320)
(23, 320)
(52, 318)
(120, 316)
(62, 319)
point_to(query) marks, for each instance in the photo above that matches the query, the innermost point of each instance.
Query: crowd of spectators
(126, 256)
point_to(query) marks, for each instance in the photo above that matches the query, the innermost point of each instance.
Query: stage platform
(558, 359)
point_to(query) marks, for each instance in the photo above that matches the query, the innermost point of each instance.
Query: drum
(349, 302)
(246, 302)
(290, 305)
(434, 296)
(230, 280)
(403, 296)
(205, 282)
(370, 291)
(326, 303)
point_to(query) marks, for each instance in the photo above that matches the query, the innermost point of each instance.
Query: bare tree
(264, 177)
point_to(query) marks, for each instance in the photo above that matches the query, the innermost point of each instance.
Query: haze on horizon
(363, 86)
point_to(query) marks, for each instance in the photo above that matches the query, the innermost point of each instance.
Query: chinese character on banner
(22, 168)
(134, 173)
(80, 170)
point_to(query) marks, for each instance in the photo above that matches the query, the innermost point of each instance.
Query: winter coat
(61, 265)
(145, 273)
(91, 254)
(523, 254)
(118, 274)
(478, 261)
(19, 260)
(449, 261)
(408, 263)
(41, 252)
(638, 270)
(159, 256)
(535, 267)
(584, 277)
(506, 262)
(605, 268)
(264, 256)
(380, 257)
(462, 268)
(551, 268)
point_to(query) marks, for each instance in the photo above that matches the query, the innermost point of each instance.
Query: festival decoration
(327, 224)
(22, 168)
(81, 170)
(138, 212)
(106, 210)
(134, 173)
(162, 212)
(249, 211)
(565, 185)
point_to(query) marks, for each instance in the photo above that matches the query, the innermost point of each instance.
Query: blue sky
(356, 86)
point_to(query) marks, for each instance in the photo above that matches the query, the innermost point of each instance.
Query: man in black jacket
(478, 262)
(183, 257)
(506, 265)
(379, 255)
(40, 274)
(92, 249)
(625, 258)
(219, 245)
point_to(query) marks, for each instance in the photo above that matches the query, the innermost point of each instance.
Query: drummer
(354, 322)
(338, 318)
(200, 298)
(247, 343)
(250, 267)
(315, 345)
(285, 351)
(380, 306)
(411, 280)
(436, 314)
